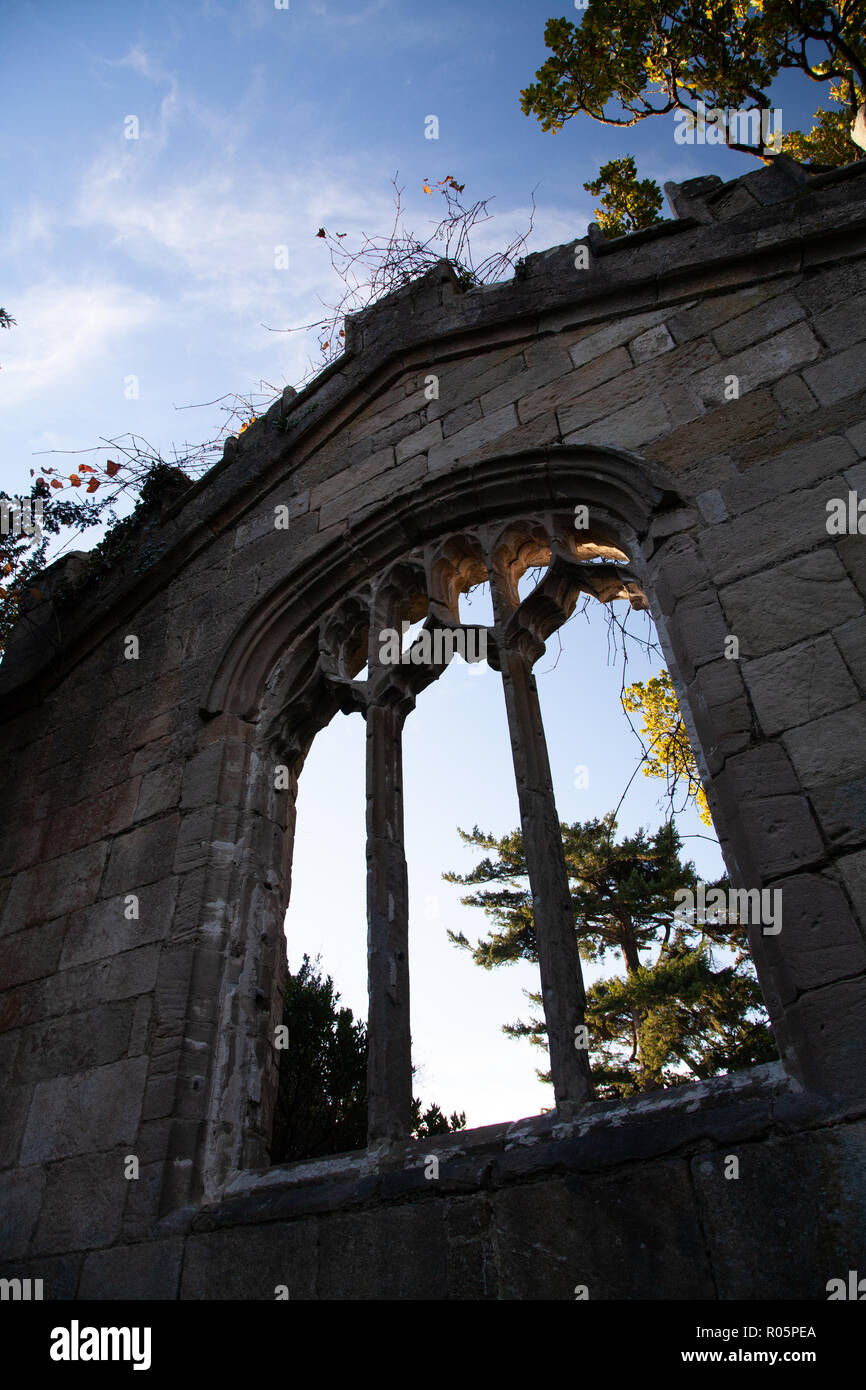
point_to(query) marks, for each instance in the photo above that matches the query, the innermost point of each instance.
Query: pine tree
(322, 1094)
(674, 1014)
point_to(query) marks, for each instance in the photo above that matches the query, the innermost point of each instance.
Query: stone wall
(149, 1035)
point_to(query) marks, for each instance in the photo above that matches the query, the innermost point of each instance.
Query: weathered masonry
(699, 388)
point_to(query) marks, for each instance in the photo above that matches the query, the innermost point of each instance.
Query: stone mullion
(389, 1056)
(559, 963)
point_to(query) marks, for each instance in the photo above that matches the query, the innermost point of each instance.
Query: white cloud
(63, 330)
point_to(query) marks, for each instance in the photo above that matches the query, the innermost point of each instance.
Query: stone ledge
(746, 1106)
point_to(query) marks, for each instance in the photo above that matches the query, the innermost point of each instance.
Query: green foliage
(322, 1094)
(828, 145)
(22, 557)
(631, 59)
(662, 1022)
(628, 205)
(670, 754)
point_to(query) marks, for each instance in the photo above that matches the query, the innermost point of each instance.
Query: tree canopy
(629, 204)
(676, 1013)
(322, 1094)
(631, 59)
(669, 754)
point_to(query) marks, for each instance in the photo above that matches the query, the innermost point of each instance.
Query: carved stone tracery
(427, 584)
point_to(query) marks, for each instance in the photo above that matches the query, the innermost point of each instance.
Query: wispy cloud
(64, 330)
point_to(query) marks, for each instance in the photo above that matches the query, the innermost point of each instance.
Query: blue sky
(154, 258)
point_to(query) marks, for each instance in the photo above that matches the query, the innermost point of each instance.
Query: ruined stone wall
(149, 1035)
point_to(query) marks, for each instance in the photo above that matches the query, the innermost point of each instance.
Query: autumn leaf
(428, 189)
(55, 482)
(85, 468)
(93, 485)
(7, 569)
(3, 592)
(111, 468)
(326, 345)
(75, 480)
(321, 232)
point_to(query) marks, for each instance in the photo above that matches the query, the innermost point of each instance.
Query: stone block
(252, 1261)
(418, 441)
(580, 381)
(141, 856)
(613, 335)
(20, 1203)
(652, 343)
(831, 749)
(819, 942)
(841, 810)
(794, 397)
(159, 791)
(348, 478)
(857, 436)
(87, 1113)
(471, 1258)
(351, 506)
(82, 1205)
(828, 1027)
(781, 834)
(458, 419)
(105, 929)
(750, 417)
(757, 1251)
(16, 1104)
(837, 376)
(147, 1271)
(366, 1255)
(852, 551)
(75, 1042)
(844, 324)
(31, 954)
(766, 767)
(94, 818)
(484, 431)
(630, 428)
(792, 470)
(850, 638)
(54, 888)
(712, 506)
(713, 309)
(632, 1234)
(799, 684)
(853, 871)
(59, 1274)
(799, 599)
(761, 322)
(760, 365)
